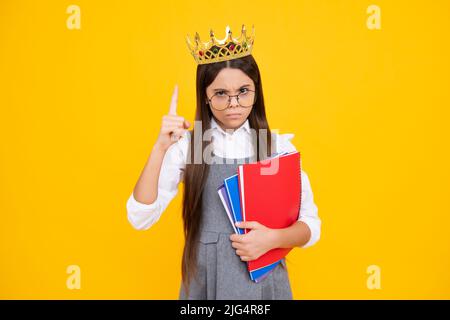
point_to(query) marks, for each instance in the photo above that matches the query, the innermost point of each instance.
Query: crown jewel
(221, 50)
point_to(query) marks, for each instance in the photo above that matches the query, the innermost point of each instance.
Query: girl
(230, 105)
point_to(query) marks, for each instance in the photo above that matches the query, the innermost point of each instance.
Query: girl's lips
(233, 115)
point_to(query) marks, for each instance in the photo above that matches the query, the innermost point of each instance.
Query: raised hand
(173, 126)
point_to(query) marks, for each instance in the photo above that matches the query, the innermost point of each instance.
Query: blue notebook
(260, 274)
(232, 187)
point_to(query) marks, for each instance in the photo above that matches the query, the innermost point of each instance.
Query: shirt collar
(214, 125)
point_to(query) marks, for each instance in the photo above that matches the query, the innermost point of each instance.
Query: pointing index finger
(173, 103)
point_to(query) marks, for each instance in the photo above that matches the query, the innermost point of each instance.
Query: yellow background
(80, 110)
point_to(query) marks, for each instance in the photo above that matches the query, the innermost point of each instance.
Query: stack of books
(269, 192)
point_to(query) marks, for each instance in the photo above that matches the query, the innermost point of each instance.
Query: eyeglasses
(220, 100)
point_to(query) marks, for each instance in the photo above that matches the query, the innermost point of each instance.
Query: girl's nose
(234, 102)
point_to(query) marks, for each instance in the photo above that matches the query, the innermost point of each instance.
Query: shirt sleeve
(308, 209)
(142, 216)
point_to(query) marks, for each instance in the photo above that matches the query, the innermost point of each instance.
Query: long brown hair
(196, 173)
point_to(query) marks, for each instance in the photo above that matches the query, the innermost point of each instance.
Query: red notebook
(270, 193)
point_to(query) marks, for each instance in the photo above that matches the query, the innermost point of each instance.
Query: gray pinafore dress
(221, 274)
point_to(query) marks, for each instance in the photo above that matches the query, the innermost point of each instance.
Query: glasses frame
(229, 100)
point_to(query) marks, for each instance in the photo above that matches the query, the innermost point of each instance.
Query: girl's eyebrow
(243, 86)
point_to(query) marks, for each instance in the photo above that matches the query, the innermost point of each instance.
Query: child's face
(232, 82)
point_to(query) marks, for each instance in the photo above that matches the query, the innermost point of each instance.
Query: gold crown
(221, 50)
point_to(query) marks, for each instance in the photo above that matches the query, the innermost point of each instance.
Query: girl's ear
(206, 98)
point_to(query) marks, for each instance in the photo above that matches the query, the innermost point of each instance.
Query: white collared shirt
(235, 145)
